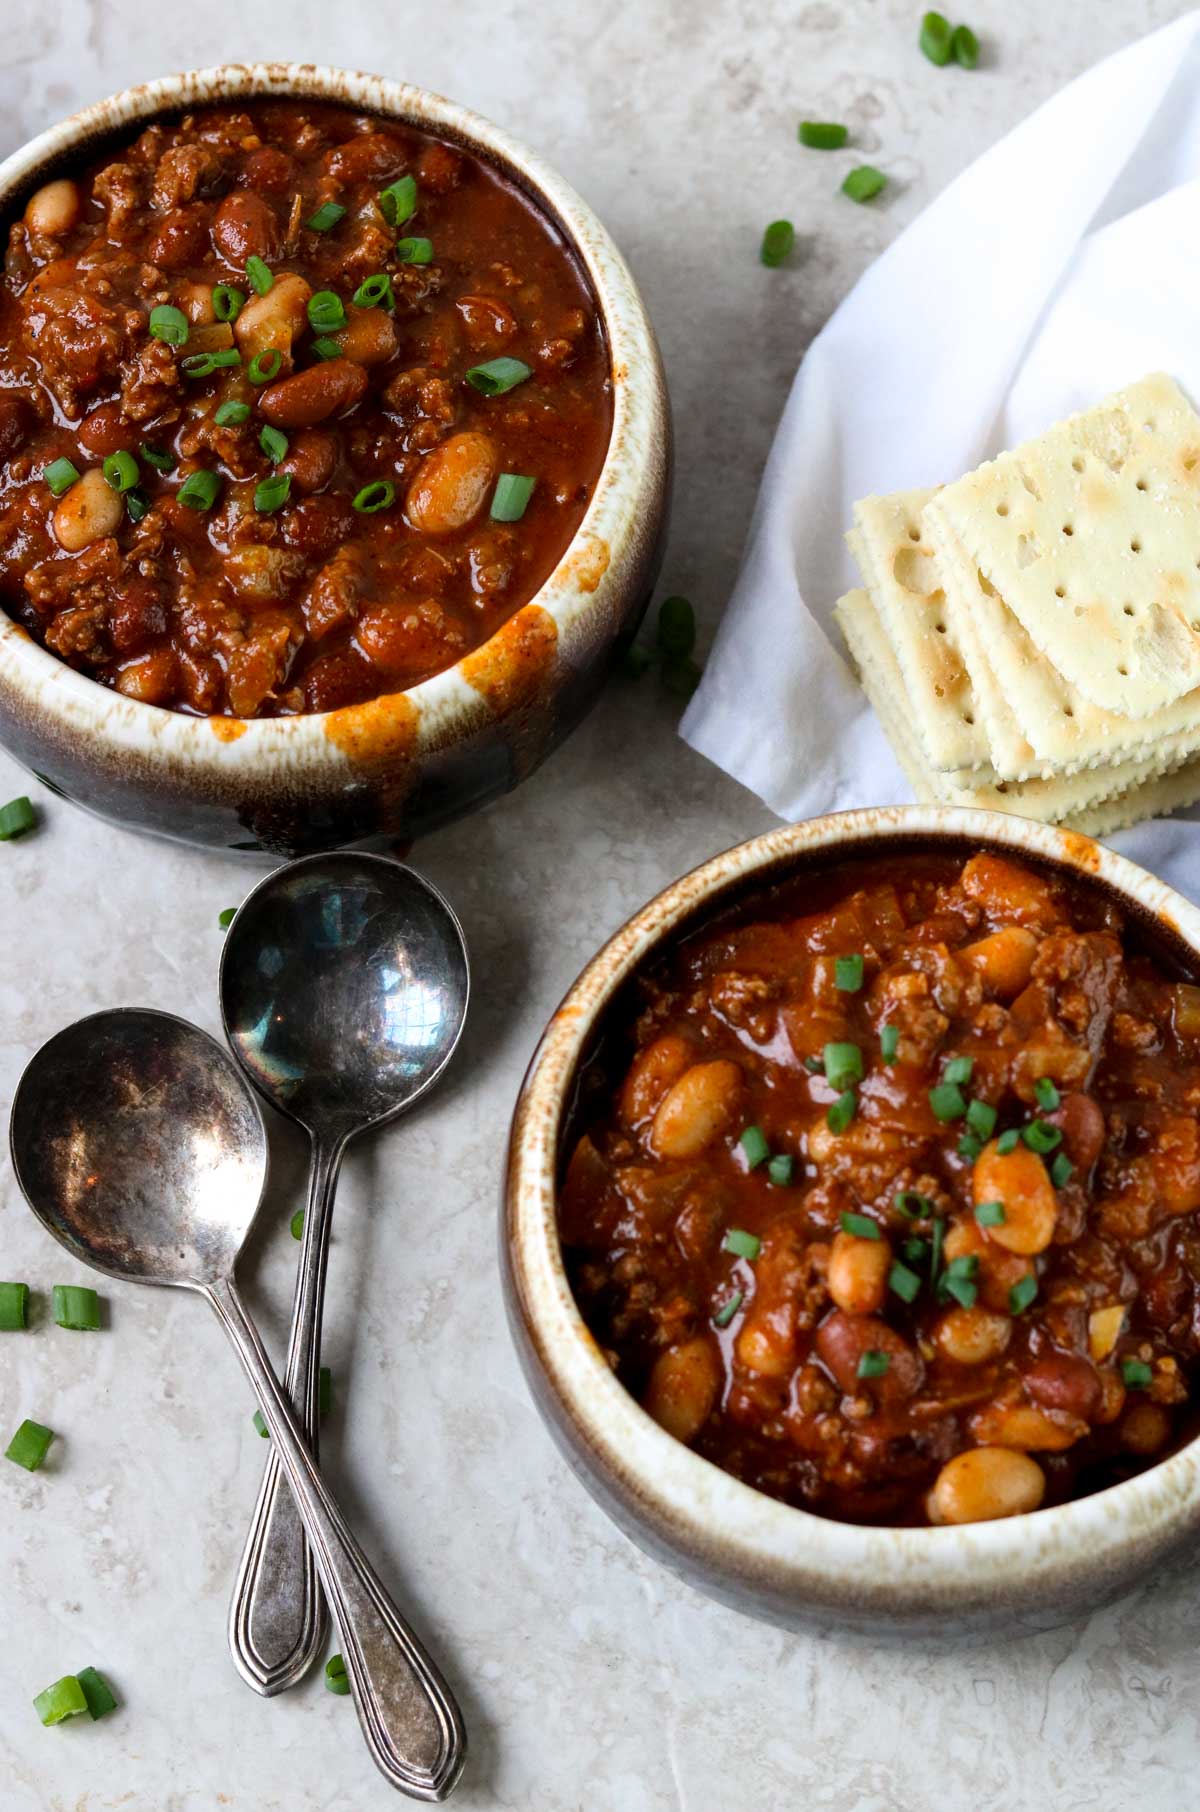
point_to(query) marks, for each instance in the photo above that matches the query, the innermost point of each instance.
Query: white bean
(53, 209)
(87, 512)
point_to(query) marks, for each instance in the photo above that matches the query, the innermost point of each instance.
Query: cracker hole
(1141, 484)
(1029, 550)
(939, 691)
(1068, 711)
(914, 534)
(1002, 509)
(1077, 464)
(1129, 610)
(1060, 591)
(1079, 610)
(967, 718)
(941, 628)
(1068, 528)
(1135, 547)
(1124, 672)
(1189, 461)
(914, 571)
(1002, 786)
(1195, 623)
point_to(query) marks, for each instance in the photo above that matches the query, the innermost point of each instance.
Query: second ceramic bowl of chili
(337, 458)
(848, 1241)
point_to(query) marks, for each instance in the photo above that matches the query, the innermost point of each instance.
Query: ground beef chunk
(184, 173)
(78, 340)
(119, 188)
(150, 386)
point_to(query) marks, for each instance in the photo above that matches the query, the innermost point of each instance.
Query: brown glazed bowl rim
(447, 706)
(719, 1525)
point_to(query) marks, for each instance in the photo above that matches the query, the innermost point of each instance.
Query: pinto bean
(452, 484)
(150, 679)
(369, 336)
(1019, 1180)
(985, 1483)
(244, 227)
(486, 320)
(53, 209)
(651, 1074)
(697, 1109)
(972, 1336)
(273, 321)
(87, 512)
(104, 430)
(1145, 1428)
(310, 460)
(858, 1273)
(998, 1270)
(1065, 1381)
(1021, 1425)
(1004, 960)
(843, 1340)
(682, 1390)
(314, 394)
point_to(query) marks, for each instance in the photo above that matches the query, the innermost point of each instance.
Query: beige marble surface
(589, 1677)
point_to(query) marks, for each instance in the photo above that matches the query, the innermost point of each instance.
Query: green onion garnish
(958, 1280)
(14, 1307)
(414, 251)
(226, 917)
(958, 1069)
(777, 242)
(969, 1146)
(120, 471)
(76, 1307)
(947, 1101)
(136, 503)
(843, 1065)
(1047, 1096)
(273, 442)
(272, 493)
(754, 1147)
(200, 490)
(916, 1251)
(903, 1283)
(742, 1244)
(325, 348)
(822, 135)
(1008, 1141)
(377, 496)
(965, 45)
(864, 183)
(203, 364)
(335, 1676)
(990, 1214)
(258, 276)
(326, 312)
(675, 630)
(1061, 1171)
(169, 324)
(297, 1224)
(815, 1066)
(498, 375)
(935, 1250)
(1136, 1374)
(1041, 1138)
(264, 365)
(511, 497)
(324, 1391)
(156, 457)
(861, 1225)
(260, 1423)
(232, 415)
(936, 38)
(398, 202)
(29, 1445)
(1022, 1294)
(227, 302)
(326, 216)
(728, 1310)
(60, 475)
(873, 1364)
(17, 817)
(96, 1690)
(779, 1170)
(889, 1043)
(981, 1118)
(848, 973)
(375, 292)
(843, 1110)
(913, 1206)
(65, 1699)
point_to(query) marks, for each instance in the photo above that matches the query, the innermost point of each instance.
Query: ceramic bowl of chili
(334, 458)
(850, 1237)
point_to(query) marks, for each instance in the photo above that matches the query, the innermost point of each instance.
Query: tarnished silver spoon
(140, 1148)
(344, 986)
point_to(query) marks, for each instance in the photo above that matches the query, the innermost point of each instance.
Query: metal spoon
(140, 1148)
(344, 986)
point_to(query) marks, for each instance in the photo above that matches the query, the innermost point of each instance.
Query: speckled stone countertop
(589, 1677)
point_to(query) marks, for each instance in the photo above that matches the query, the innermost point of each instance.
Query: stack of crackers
(1030, 636)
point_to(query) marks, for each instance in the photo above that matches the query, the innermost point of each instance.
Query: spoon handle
(408, 1715)
(277, 1614)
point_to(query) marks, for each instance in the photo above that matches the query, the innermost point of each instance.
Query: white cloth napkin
(1058, 267)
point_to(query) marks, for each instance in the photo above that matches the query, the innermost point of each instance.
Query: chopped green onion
(414, 251)
(326, 348)
(777, 242)
(742, 1244)
(1047, 1096)
(272, 493)
(1136, 1374)
(60, 475)
(260, 1423)
(947, 1101)
(779, 1170)
(913, 1206)
(232, 414)
(76, 1307)
(326, 216)
(398, 202)
(969, 1146)
(861, 1225)
(1061, 1171)
(873, 1364)
(981, 1118)
(843, 1065)
(821, 135)
(675, 631)
(990, 1214)
(1022, 1294)
(65, 1699)
(335, 1676)
(120, 471)
(273, 442)
(227, 302)
(965, 46)
(199, 490)
(963, 1291)
(375, 292)
(848, 973)
(14, 1307)
(264, 365)
(511, 497)
(967, 1266)
(203, 364)
(136, 503)
(904, 1283)
(1041, 1138)
(815, 1065)
(864, 183)
(96, 1690)
(498, 375)
(958, 1069)
(29, 1445)
(889, 1043)
(324, 1391)
(154, 456)
(226, 917)
(839, 1116)
(935, 1249)
(17, 817)
(916, 1251)
(1008, 1141)
(169, 325)
(326, 312)
(297, 1224)
(754, 1147)
(936, 38)
(728, 1310)
(258, 276)
(377, 496)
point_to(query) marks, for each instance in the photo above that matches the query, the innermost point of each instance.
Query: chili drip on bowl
(888, 1207)
(297, 406)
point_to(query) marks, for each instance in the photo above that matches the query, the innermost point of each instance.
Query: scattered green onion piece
(965, 46)
(889, 1043)
(754, 1147)
(227, 302)
(916, 1251)
(815, 1065)
(398, 202)
(498, 376)
(377, 496)
(675, 631)
(958, 1069)
(14, 1307)
(990, 1214)
(232, 414)
(843, 1065)
(1061, 1171)
(822, 135)
(324, 1391)
(873, 1364)
(742, 1244)
(272, 493)
(861, 1225)
(136, 503)
(966, 1266)
(981, 1118)
(326, 348)
(273, 442)
(226, 917)
(335, 1676)
(848, 973)
(969, 1146)
(842, 1112)
(779, 1170)
(728, 1310)
(326, 217)
(1041, 1138)
(258, 276)
(60, 475)
(326, 311)
(96, 1690)
(1047, 1096)
(375, 292)
(297, 1224)
(65, 1699)
(169, 325)
(903, 1283)
(935, 1250)
(778, 240)
(961, 1289)
(936, 38)
(156, 457)
(1136, 1374)
(1022, 1294)
(414, 251)
(261, 1425)
(1008, 1141)
(913, 1206)
(199, 490)
(17, 817)
(203, 364)
(120, 471)
(29, 1445)
(864, 183)
(76, 1307)
(264, 365)
(511, 498)
(947, 1101)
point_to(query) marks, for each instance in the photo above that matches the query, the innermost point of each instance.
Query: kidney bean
(244, 227)
(310, 460)
(136, 614)
(15, 421)
(1064, 1381)
(179, 239)
(268, 171)
(451, 484)
(369, 336)
(373, 157)
(842, 1341)
(314, 394)
(1082, 1122)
